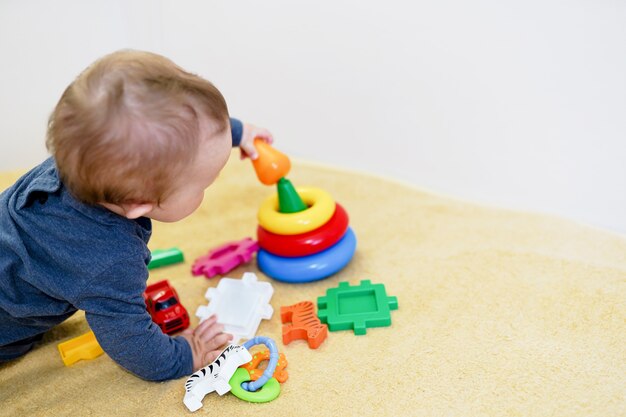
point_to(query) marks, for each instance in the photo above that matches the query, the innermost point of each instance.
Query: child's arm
(116, 312)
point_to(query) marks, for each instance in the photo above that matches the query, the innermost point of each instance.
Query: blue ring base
(309, 268)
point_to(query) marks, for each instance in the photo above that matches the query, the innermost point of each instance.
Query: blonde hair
(128, 125)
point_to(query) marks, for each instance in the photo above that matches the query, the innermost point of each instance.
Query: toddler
(133, 138)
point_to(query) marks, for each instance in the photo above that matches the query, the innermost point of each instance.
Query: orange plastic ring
(253, 366)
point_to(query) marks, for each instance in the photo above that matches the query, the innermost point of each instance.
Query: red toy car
(165, 308)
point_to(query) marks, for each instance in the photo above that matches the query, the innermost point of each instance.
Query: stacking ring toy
(321, 209)
(271, 366)
(269, 391)
(315, 241)
(255, 372)
(309, 268)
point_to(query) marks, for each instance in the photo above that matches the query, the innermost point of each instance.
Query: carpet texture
(500, 314)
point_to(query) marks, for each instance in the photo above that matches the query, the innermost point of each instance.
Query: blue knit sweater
(58, 255)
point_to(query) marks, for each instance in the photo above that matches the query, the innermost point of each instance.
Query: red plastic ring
(308, 243)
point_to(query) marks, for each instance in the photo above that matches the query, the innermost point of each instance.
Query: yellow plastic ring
(321, 209)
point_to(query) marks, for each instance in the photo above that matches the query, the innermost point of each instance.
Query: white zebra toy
(215, 376)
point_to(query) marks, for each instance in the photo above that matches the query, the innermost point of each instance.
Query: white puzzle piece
(239, 304)
(215, 376)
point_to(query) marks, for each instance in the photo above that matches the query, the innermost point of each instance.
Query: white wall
(518, 104)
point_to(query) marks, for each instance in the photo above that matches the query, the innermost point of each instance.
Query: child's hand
(247, 140)
(206, 341)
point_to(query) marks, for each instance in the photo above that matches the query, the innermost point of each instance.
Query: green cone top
(289, 200)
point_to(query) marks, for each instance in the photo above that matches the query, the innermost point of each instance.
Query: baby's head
(140, 136)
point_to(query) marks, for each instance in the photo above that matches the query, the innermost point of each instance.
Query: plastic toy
(271, 366)
(289, 200)
(303, 234)
(321, 209)
(309, 268)
(82, 347)
(255, 372)
(240, 304)
(300, 322)
(163, 257)
(215, 376)
(356, 307)
(165, 308)
(225, 258)
(269, 392)
(264, 389)
(309, 243)
(271, 165)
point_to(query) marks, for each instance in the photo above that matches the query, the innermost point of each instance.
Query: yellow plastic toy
(321, 208)
(271, 165)
(82, 347)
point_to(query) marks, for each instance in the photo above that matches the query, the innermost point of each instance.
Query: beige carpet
(500, 314)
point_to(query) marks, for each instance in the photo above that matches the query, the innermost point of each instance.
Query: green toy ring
(267, 393)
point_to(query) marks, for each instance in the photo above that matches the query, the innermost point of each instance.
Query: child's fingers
(207, 333)
(248, 149)
(247, 143)
(210, 351)
(265, 135)
(244, 154)
(209, 356)
(210, 321)
(217, 342)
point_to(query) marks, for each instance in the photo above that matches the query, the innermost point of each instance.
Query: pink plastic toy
(224, 259)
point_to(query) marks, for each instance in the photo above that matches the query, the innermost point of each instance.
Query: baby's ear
(136, 210)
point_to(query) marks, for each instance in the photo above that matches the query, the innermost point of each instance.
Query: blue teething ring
(271, 366)
(309, 268)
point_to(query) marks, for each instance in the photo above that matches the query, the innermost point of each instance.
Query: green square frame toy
(357, 307)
